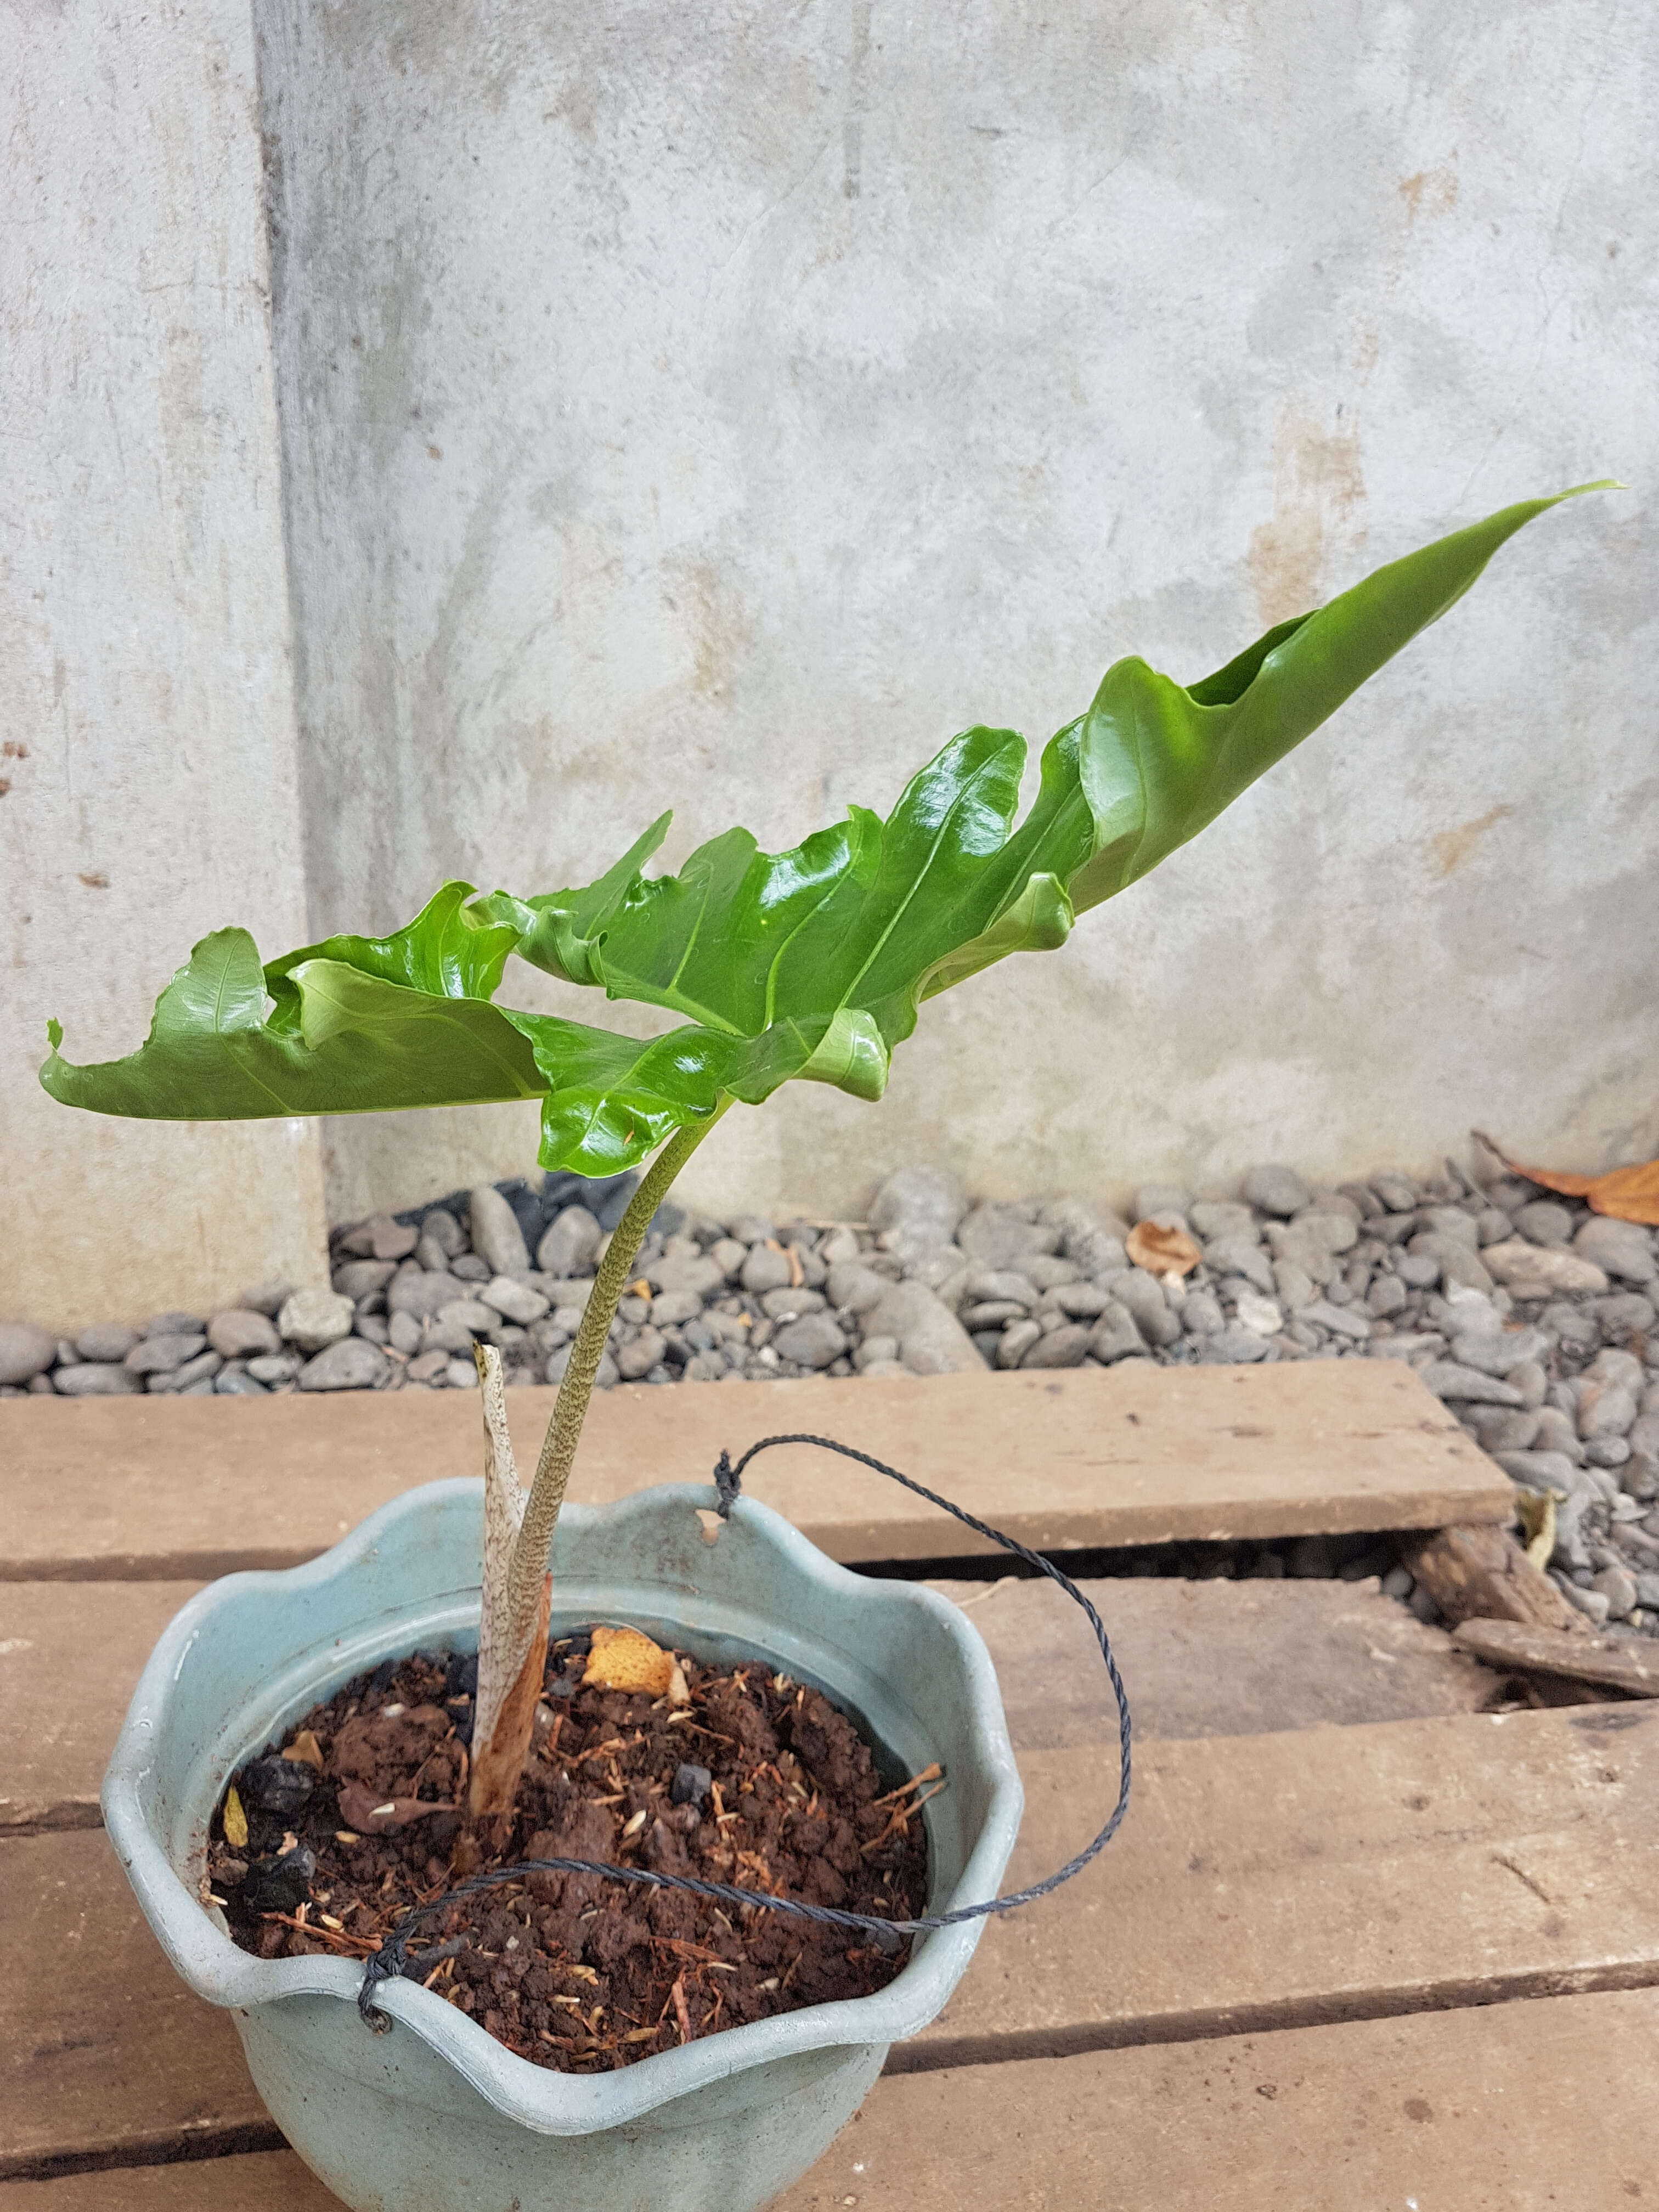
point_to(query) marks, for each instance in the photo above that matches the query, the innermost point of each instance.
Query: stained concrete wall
(148, 778)
(724, 405)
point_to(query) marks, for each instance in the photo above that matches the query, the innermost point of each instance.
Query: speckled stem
(541, 1514)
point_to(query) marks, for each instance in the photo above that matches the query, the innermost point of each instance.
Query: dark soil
(759, 1782)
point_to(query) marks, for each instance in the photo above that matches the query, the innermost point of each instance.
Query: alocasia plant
(811, 963)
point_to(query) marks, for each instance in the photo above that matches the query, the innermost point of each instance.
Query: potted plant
(811, 963)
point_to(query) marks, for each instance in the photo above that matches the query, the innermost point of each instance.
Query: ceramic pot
(436, 2114)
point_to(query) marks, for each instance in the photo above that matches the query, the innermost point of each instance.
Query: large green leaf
(811, 962)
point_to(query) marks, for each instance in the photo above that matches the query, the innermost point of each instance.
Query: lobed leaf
(809, 964)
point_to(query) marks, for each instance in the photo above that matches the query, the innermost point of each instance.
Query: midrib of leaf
(229, 1050)
(960, 799)
(777, 957)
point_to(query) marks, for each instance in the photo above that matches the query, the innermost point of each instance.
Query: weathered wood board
(1260, 1882)
(1481, 2111)
(168, 1488)
(1209, 1658)
(1329, 1874)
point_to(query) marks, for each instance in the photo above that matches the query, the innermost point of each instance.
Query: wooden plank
(1329, 1875)
(1260, 1882)
(69, 1655)
(1212, 1658)
(170, 1488)
(1487, 2110)
(1483, 2110)
(1620, 1662)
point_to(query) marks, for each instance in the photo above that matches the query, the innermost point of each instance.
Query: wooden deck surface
(1360, 1942)
(94, 1486)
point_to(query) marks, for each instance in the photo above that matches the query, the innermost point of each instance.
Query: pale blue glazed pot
(436, 2116)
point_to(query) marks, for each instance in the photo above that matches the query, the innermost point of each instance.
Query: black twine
(392, 1959)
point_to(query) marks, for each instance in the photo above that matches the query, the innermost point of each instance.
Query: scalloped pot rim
(546, 2102)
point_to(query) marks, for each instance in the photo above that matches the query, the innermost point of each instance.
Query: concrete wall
(724, 405)
(149, 786)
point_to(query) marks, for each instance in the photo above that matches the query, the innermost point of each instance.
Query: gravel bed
(1529, 1317)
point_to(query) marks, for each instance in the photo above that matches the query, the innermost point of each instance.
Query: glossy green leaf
(809, 963)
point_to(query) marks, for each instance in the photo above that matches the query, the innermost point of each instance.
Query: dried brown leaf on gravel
(1628, 1193)
(1161, 1251)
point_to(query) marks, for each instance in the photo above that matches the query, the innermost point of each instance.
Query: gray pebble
(283, 1367)
(641, 1354)
(357, 1278)
(25, 1351)
(497, 1239)
(379, 1238)
(1592, 1603)
(446, 1232)
(1015, 1342)
(175, 1324)
(1143, 1294)
(314, 1319)
(1449, 1380)
(162, 1355)
(1232, 1347)
(1617, 1586)
(1397, 1192)
(1236, 1254)
(851, 1288)
(569, 1242)
(432, 1368)
(792, 1305)
(1606, 1409)
(1623, 1248)
(1386, 1297)
(1398, 1583)
(1278, 1190)
(990, 1314)
(1544, 1222)
(873, 1350)
(1210, 1217)
(237, 1382)
(515, 1301)
(1001, 1283)
(238, 1333)
(461, 1374)
(188, 1376)
(1000, 1235)
(814, 1342)
(1341, 1320)
(1610, 1452)
(95, 1379)
(1059, 1348)
(404, 1334)
(921, 1202)
(421, 1295)
(1558, 1432)
(105, 1340)
(1201, 1315)
(1499, 1353)
(470, 1269)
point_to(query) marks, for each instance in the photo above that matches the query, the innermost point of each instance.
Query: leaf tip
(54, 1031)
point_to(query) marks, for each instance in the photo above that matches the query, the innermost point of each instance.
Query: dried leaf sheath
(511, 1642)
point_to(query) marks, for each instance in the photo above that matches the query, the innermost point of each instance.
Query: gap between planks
(1135, 1454)
(1346, 1873)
